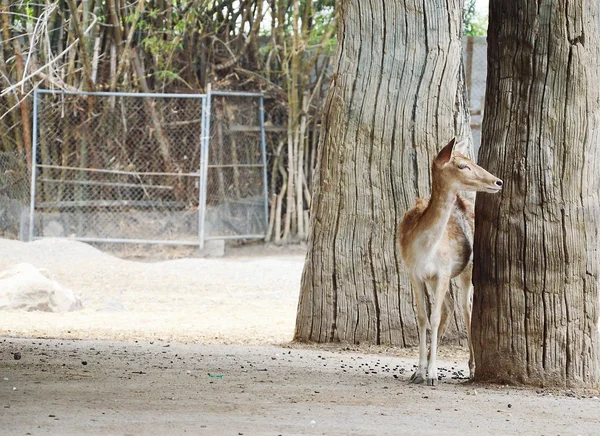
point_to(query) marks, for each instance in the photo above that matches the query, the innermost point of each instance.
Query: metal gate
(236, 168)
(135, 168)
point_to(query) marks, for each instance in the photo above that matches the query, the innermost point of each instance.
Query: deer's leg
(420, 299)
(465, 283)
(447, 312)
(439, 287)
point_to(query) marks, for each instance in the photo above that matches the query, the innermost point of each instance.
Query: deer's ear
(445, 153)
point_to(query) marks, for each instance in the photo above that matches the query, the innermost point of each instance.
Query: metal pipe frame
(236, 94)
(152, 241)
(124, 241)
(237, 166)
(217, 238)
(150, 94)
(204, 144)
(263, 148)
(120, 185)
(127, 173)
(119, 94)
(202, 173)
(33, 165)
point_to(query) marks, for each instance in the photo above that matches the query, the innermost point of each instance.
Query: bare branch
(42, 68)
(20, 101)
(40, 25)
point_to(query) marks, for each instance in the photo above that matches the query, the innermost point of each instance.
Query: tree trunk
(396, 97)
(535, 318)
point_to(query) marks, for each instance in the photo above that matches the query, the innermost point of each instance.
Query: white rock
(25, 287)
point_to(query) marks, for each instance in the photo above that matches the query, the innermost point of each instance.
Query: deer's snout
(491, 183)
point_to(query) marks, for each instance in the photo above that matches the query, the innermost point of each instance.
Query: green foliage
(171, 76)
(320, 19)
(161, 46)
(322, 4)
(323, 19)
(475, 23)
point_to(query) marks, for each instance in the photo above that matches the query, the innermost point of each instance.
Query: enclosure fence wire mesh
(14, 193)
(151, 147)
(236, 190)
(120, 168)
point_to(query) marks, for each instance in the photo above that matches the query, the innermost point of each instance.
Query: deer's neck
(434, 220)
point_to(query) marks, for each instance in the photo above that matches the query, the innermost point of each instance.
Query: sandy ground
(201, 346)
(236, 300)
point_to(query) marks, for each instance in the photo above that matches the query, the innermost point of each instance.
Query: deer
(435, 239)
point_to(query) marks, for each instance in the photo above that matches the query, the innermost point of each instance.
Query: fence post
(33, 164)
(263, 147)
(203, 166)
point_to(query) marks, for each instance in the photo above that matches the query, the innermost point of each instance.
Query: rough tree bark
(397, 96)
(535, 317)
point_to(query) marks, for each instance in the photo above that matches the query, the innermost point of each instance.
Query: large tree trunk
(535, 318)
(397, 96)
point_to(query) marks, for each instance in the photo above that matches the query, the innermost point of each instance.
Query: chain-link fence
(158, 168)
(236, 197)
(14, 194)
(118, 167)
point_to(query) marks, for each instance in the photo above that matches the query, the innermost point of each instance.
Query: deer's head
(453, 170)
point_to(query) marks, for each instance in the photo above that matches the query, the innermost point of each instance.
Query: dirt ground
(201, 346)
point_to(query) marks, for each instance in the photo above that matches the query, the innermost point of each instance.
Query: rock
(25, 287)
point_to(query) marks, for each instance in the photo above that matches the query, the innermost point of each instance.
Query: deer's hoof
(432, 382)
(417, 379)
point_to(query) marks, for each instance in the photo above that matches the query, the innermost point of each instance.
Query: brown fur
(457, 240)
(436, 244)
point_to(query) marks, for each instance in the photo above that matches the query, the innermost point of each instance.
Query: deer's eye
(463, 166)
